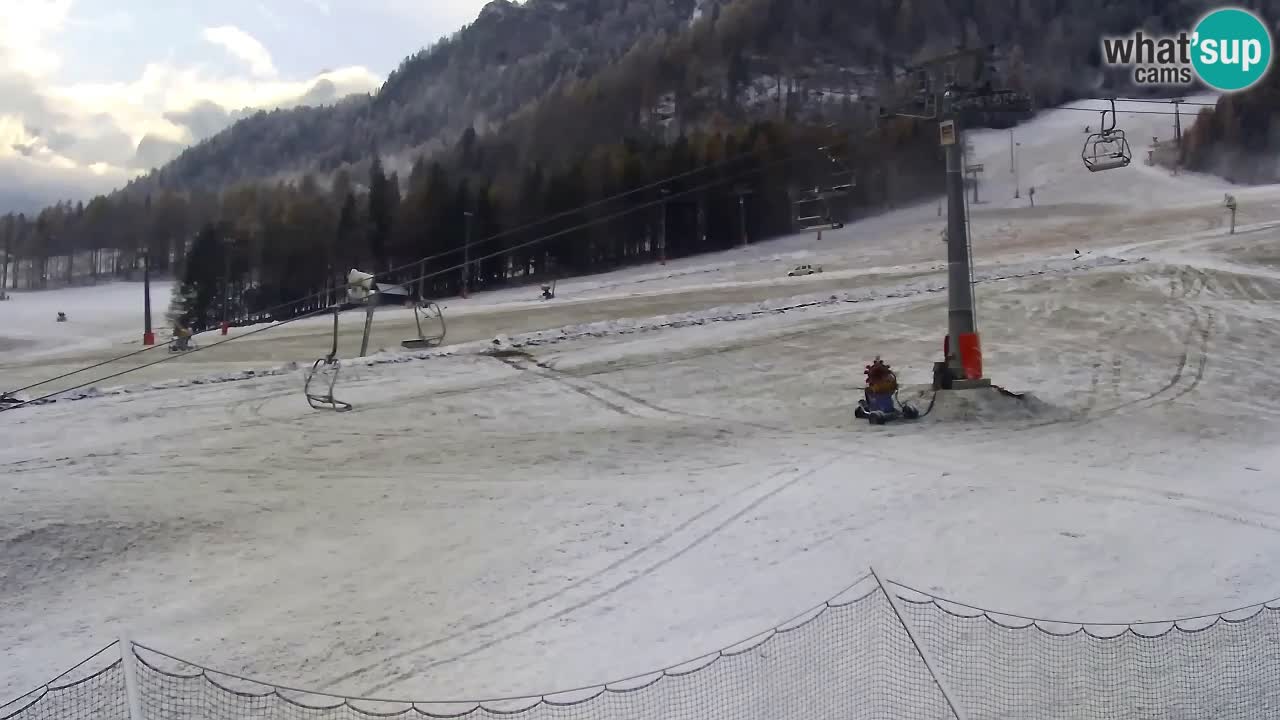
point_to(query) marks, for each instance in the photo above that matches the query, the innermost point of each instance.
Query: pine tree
(380, 214)
(193, 302)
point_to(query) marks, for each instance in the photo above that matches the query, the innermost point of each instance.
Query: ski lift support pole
(372, 304)
(959, 290)
(963, 364)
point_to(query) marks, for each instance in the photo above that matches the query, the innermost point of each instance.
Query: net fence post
(129, 663)
(924, 655)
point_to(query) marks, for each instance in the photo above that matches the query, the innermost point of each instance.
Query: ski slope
(676, 465)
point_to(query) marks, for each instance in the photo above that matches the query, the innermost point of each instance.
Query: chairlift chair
(361, 291)
(435, 319)
(1106, 152)
(326, 366)
(813, 213)
(841, 177)
(812, 209)
(1107, 149)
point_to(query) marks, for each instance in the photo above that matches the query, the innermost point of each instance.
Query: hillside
(509, 56)
(1239, 138)
(660, 67)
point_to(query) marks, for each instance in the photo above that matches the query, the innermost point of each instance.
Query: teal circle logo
(1231, 49)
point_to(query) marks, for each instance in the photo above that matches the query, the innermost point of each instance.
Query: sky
(94, 92)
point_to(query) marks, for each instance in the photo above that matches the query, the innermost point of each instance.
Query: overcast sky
(84, 82)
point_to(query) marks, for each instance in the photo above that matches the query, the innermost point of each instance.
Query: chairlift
(1106, 149)
(361, 292)
(813, 212)
(434, 317)
(327, 366)
(841, 176)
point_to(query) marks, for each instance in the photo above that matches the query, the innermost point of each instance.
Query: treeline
(1239, 138)
(75, 243)
(633, 202)
(258, 248)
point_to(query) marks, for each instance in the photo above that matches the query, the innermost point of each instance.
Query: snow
(98, 316)
(673, 466)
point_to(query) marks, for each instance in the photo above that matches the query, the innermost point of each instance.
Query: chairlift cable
(422, 261)
(437, 273)
(1156, 101)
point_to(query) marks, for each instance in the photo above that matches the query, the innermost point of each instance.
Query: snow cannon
(359, 287)
(879, 403)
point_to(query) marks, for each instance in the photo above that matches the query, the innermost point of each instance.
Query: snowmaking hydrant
(879, 403)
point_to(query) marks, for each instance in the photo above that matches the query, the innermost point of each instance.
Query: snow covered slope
(99, 318)
(676, 466)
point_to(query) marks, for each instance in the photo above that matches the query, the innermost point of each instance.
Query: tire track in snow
(565, 382)
(1151, 497)
(1185, 285)
(796, 476)
(1196, 347)
(599, 389)
(589, 378)
(609, 369)
(1235, 513)
(795, 479)
(1193, 354)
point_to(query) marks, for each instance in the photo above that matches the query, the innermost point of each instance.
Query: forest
(1239, 138)
(265, 246)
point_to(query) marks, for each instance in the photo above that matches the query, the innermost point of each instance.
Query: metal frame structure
(326, 401)
(361, 292)
(950, 87)
(1107, 136)
(433, 312)
(819, 217)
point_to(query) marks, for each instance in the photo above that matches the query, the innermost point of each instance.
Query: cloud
(155, 151)
(68, 140)
(33, 182)
(243, 46)
(25, 27)
(202, 120)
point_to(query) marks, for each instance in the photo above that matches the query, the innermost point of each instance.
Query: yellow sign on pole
(947, 128)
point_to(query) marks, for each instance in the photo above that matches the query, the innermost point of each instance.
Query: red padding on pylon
(971, 356)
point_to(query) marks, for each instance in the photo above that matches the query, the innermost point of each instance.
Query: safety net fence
(879, 650)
